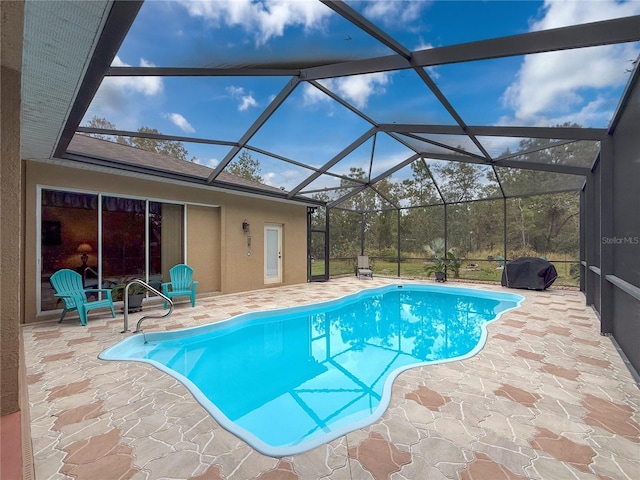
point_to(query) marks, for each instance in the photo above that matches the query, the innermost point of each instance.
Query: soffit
(59, 40)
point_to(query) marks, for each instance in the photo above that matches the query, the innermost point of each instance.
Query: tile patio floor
(547, 398)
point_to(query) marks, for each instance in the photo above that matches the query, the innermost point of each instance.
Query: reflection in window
(69, 239)
(123, 230)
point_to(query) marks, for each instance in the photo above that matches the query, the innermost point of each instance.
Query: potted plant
(454, 263)
(438, 268)
(136, 292)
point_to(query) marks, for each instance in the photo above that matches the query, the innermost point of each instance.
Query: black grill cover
(532, 273)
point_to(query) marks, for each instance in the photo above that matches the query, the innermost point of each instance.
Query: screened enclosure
(409, 129)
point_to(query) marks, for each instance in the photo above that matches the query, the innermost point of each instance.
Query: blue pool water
(289, 380)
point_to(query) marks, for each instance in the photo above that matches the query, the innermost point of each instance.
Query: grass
(483, 270)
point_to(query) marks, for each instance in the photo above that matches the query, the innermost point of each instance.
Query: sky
(539, 90)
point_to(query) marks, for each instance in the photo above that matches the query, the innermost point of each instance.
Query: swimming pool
(288, 380)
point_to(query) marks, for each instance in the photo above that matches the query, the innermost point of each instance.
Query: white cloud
(555, 84)
(246, 100)
(287, 179)
(423, 45)
(359, 88)
(394, 12)
(148, 86)
(427, 46)
(181, 122)
(355, 89)
(264, 19)
(561, 13)
(235, 91)
(212, 162)
(119, 98)
(313, 95)
(595, 112)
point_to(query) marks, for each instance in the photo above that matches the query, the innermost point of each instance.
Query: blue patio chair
(68, 286)
(181, 284)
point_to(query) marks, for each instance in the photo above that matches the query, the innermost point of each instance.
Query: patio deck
(547, 398)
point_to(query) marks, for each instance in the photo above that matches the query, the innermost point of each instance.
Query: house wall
(246, 272)
(16, 453)
(203, 246)
(10, 209)
(216, 245)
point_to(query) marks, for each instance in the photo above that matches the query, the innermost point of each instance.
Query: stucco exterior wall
(243, 272)
(10, 204)
(203, 246)
(216, 244)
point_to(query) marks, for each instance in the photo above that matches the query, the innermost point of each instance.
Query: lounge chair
(68, 286)
(363, 269)
(181, 284)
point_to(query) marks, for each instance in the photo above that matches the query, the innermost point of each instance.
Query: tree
(171, 148)
(246, 166)
(419, 189)
(459, 181)
(99, 122)
(546, 222)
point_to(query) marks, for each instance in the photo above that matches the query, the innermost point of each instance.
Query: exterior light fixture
(247, 232)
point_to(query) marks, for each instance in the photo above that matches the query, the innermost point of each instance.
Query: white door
(272, 254)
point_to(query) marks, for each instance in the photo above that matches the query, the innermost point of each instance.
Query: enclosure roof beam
(327, 189)
(607, 32)
(449, 108)
(346, 196)
(343, 102)
(154, 136)
(395, 168)
(350, 148)
(620, 30)
(119, 20)
(523, 164)
(384, 197)
(626, 96)
(462, 202)
(261, 120)
(536, 149)
(280, 157)
(433, 180)
(344, 10)
(453, 158)
(557, 133)
(545, 167)
(200, 72)
(441, 145)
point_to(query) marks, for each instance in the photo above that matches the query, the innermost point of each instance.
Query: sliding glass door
(123, 239)
(68, 239)
(107, 239)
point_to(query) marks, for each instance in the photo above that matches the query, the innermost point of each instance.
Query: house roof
(126, 156)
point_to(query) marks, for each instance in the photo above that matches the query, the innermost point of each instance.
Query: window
(137, 238)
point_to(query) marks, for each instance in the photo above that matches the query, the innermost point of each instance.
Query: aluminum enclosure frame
(609, 198)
